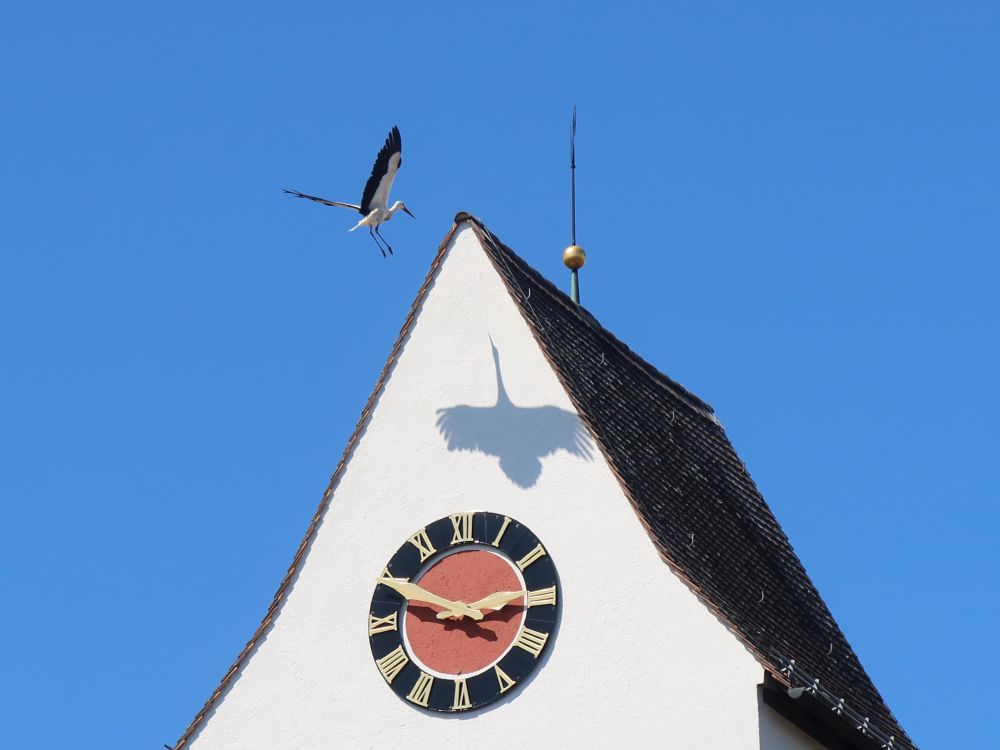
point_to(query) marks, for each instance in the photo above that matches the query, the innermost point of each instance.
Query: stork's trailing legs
(387, 245)
(371, 231)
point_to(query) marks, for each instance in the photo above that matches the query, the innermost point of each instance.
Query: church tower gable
(536, 532)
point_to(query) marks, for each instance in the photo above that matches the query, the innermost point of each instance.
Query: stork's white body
(378, 215)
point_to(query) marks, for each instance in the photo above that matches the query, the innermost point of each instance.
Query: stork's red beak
(407, 211)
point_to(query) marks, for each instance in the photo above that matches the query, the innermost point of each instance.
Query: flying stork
(375, 206)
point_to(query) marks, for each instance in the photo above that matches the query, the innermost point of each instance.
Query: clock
(464, 611)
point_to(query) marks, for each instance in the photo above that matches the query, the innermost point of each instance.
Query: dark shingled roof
(693, 493)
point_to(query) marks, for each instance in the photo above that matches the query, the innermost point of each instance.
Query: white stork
(375, 206)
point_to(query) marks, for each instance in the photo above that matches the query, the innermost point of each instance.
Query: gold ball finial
(574, 257)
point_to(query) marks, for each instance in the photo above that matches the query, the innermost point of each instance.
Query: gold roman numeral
(421, 692)
(506, 523)
(505, 682)
(461, 696)
(529, 558)
(531, 641)
(381, 624)
(542, 597)
(462, 523)
(422, 542)
(392, 664)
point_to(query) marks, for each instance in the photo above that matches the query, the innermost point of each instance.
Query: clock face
(463, 611)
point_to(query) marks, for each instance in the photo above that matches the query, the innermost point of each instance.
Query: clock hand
(494, 601)
(413, 592)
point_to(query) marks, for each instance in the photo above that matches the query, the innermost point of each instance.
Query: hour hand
(497, 600)
(413, 592)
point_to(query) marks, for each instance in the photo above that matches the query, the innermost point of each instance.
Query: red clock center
(463, 646)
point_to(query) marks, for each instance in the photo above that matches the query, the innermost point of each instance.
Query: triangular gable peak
(633, 649)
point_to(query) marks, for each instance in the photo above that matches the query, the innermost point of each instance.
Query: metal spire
(573, 256)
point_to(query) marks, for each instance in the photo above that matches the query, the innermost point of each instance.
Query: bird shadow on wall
(520, 436)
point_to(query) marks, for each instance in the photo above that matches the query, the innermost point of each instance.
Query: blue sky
(790, 208)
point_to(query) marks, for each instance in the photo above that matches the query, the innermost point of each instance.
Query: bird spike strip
(798, 678)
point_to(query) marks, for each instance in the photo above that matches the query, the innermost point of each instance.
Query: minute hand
(497, 600)
(413, 592)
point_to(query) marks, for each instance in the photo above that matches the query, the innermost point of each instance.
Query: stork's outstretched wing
(519, 436)
(556, 429)
(535, 430)
(463, 427)
(324, 201)
(387, 163)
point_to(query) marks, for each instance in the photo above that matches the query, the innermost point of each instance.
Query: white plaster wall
(638, 660)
